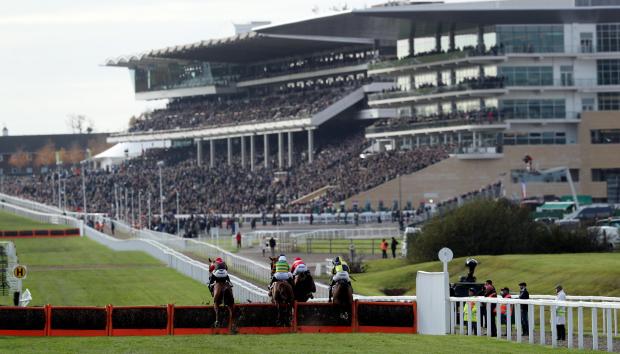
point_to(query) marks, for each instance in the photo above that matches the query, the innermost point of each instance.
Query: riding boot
(330, 294)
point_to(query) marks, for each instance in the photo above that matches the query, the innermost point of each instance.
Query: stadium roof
(243, 48)
(398, 21)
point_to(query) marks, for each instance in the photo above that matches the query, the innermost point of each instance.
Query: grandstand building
(490, 82)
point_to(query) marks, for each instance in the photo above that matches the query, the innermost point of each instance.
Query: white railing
(542, 308)
(342, 234)
(40, 216)
(243, 290)
(238, 265)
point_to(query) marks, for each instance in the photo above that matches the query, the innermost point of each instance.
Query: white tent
(122, 151)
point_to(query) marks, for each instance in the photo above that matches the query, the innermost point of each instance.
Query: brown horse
(283, 297)
(303, 286)
(222, 295)
(343, 297)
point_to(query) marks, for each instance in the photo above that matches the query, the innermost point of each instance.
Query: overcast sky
(51, 52)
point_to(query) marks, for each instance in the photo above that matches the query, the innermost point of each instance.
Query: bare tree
(79, 124)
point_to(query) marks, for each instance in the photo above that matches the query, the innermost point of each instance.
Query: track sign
(20, 271)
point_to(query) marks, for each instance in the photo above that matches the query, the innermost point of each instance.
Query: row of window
(608, 37)
(609, 101)
(531, 39)
(608, 71)
(527, 75)
(603, 174)
(606, 136)
(534, 138)
(518, 176)
(533, 108)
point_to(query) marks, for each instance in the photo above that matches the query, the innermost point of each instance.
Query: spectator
(272, 245)
(238, 238)
(560, 313)
(490, 292)
(393, 245)
(504, 309)
(384, 248)
(524, 295)
(470, 306)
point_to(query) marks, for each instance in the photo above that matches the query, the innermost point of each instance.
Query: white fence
(41, 216)
(243, 290)
(199, 271)
(343, 234)
(608, 311)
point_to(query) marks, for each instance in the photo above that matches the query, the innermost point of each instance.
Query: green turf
(286, 343)
(580, 274)
(80, 272)
(11, 222)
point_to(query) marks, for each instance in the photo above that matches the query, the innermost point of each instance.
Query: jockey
(340, 272)
(219, 272)
(282, 272)
(299, 266)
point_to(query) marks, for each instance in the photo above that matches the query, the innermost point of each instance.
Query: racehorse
(282, 296)
(303, 286)
(342, 297)
(222, 295)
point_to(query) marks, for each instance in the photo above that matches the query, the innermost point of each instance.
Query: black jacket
(524, 295)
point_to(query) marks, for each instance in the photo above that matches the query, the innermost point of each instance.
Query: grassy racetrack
(77, 271)
(11, 222)
(285, 343)
(580, 274)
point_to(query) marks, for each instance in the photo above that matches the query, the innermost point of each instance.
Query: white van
(607, 234)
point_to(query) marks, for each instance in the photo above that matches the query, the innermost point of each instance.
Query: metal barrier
(498, 327)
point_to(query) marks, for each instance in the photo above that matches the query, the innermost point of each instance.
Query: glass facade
(605, 136)
(531, 38)
(533, 109)
(609, 101)
(527, 75)
(518, 176)
(535, 138)
(602, 174)
(608, 71)
(608, 37)
(166, 76)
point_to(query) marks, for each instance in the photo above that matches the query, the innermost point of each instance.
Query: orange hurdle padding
(139, 320)
(23, 321)
(198, 320)
(403, 321)
(325, 319)
(258, 319)
(61, 324)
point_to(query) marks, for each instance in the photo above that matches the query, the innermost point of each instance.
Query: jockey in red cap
(218, 272)
(296, 263)
(299, 266)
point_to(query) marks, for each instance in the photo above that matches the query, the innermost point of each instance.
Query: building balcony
(433, 61)
(479, 153)
(487, 87)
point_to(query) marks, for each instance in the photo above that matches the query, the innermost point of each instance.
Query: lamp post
(140, 209)
(133, 210)
(84, 188)
(116, 201)
(161, 192)
(178, 221)
(148, 203)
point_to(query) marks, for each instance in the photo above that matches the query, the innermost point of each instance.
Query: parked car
(607, 234)
(615, 222)
(588, 213)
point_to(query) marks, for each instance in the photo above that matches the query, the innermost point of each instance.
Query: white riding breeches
(341, 276)
(220, 273)
(302, 268)
(282, 276)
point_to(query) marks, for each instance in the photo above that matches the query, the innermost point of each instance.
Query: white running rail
(538, 334)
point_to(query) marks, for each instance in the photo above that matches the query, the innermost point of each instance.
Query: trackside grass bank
(80, 272)
(285, 343)
(11, 222)
(580, 274)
